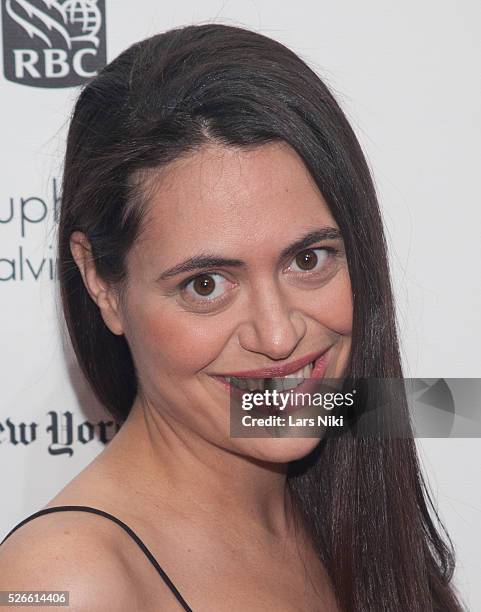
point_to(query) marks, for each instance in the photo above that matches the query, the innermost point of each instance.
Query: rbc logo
(53, 43)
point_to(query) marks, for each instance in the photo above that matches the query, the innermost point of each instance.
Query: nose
(274, 326)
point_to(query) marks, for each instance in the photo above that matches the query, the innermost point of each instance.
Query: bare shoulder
(69, 551)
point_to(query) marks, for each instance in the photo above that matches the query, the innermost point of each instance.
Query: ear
(99, 290)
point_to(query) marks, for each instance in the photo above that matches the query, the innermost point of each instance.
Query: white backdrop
(407, 75)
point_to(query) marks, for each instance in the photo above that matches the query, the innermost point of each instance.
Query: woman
(218, 219)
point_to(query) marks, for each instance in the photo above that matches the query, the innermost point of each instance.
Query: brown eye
(204, 284)
(307, 260)
(311, 260)
(205, 288)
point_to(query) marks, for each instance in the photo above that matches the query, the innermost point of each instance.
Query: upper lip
(278, 370)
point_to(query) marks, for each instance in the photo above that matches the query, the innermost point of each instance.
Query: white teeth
(239, 382)
(307, 370)
(304, 372)
(280, 383)
(277, 384)
(291, 383)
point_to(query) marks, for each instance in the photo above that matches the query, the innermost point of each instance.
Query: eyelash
(332, 252)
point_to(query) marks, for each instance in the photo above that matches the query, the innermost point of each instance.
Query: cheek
(163, 337)
(333, 307)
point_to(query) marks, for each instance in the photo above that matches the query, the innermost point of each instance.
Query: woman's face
(257, 306)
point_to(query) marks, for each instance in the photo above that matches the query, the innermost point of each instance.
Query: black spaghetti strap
(126, 528)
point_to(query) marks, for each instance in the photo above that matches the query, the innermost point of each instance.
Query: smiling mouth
(279, 383)
(313, 370)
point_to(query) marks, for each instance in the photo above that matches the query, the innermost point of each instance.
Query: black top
(126, 528)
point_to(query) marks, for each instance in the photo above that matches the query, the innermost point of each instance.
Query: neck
(201, 481)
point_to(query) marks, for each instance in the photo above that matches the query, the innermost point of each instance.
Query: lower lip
(309, 384)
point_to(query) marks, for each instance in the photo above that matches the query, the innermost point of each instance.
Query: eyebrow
(207, 260)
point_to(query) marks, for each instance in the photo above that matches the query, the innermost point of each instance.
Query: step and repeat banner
(407, 77)
(50, 425)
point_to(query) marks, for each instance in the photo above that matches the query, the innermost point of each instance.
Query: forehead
(240, 195)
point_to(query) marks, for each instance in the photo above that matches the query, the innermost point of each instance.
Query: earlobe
(99, 290)
(108, 304)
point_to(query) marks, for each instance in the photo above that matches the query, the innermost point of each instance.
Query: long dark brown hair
(363, 498)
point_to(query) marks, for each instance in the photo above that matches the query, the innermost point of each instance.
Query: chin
(279, 450)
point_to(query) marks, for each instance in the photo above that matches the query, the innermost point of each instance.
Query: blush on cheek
(175, 343)
(332, 307)
(342, 318)
(341, 305)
